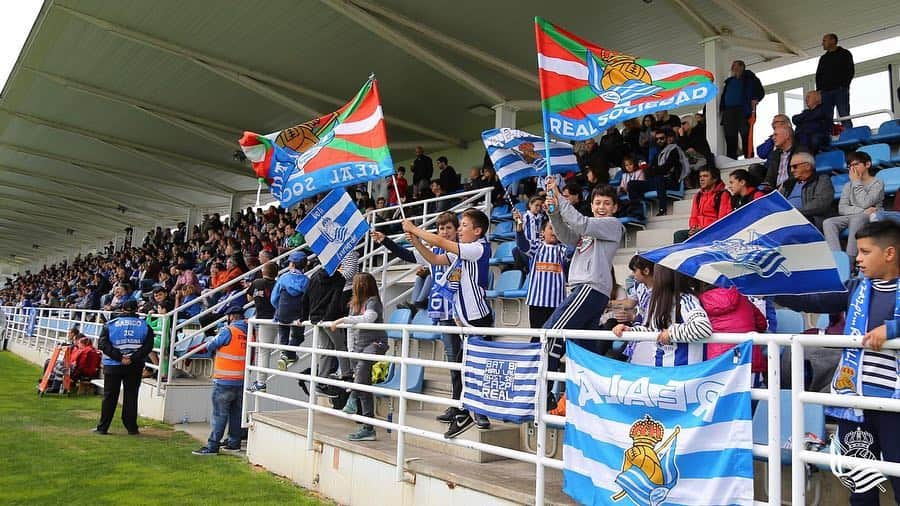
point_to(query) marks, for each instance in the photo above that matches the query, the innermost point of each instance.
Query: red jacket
(704, 211)
(85, 362)
(729, 311)
(402, 185)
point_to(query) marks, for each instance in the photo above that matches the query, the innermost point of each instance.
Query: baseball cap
(297, 257)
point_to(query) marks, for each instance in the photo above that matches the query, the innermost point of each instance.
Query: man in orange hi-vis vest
(230, 347)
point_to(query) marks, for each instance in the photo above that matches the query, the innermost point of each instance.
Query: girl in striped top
(632, 172)
(533, 220)
(675, 312)
(547, 263)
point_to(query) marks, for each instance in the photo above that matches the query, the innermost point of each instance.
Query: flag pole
(397, 193)
(550, 207)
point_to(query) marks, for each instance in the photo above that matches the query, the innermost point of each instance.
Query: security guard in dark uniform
(125, 342)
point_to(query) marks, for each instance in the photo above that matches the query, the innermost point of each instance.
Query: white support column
(715, 61)
(505, 116)
(235, 205)
(193, 218)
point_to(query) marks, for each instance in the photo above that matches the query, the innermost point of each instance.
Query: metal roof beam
(209, 62)
(381, 29)
(65, 198)
(66, 212)
(495, 63)
(763, 47)
(692, 16)
(83, 164)
(741, 12)
(125, 145)
(47, 219)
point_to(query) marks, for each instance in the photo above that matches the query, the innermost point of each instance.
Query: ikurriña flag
(764, 248)
(346, 147)
(517, 154)
(586, 88)
(333, 228)
(647, 436)
(500, 379)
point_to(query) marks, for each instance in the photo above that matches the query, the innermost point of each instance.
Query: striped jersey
(641, 293)
(879, 369)
(532, 224)
(686, 335)
(547, 285)
(439, 307)
(349, 267)
(474, 260)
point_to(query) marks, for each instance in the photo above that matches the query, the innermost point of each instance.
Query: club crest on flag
(619, 79)
(757, 255)
(649, 471)
(333, 228)
(858, 479)
(332, 231)
(517, 154)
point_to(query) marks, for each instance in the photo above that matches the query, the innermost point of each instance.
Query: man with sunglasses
(812, 194)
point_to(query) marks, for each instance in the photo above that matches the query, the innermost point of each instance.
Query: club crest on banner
(857, 479)
(757, 255)
(649, 470)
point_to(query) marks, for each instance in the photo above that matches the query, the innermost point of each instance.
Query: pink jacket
(729, 311)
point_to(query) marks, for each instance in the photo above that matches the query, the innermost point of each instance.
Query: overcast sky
(16, 18)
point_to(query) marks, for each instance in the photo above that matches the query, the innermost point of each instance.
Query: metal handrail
(889, 112)
(771, 451)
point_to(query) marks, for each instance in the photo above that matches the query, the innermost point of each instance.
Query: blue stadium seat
(888, 132)
(789, 321)
(638, 223)
(399, 316)
(503, 254)
(813, 422)
(853, 137)
(615, 180)
(838, 181)
(676, 194)
(503, 231)
(891, 179)
(880, 153)
(831, 161)
(501, 213)
(521, 207)
(518, 293)
(509, 280)
(843, 264)
(422, 318)
(415, 379)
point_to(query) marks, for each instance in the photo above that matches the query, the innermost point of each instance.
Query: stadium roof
(126, 112)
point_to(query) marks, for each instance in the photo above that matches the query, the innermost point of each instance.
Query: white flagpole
(397, 193)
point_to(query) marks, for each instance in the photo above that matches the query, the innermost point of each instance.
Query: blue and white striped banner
(333, 228)
(658, 435)
(517, 155)
(500, 379)
(764, 248)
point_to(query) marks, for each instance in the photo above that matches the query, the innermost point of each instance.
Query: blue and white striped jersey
(469, 303)
(439, 307)
(686, 337)
(547, 286)
(532, 224)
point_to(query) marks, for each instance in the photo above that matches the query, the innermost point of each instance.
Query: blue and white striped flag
(764, 248)
(517, 155)
(333, 228)
(670, 435)
(500, 379)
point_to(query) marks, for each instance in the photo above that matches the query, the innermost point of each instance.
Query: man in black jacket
(741, 93)
(422, 169)
(833, 76)
(322, 303)
(665, 171)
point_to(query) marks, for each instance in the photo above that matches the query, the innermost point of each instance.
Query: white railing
(479, 198)
(890, 115)
(771, 394)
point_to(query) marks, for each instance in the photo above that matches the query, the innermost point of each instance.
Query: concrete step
(654, 238)
(675, 221)
(501, 434)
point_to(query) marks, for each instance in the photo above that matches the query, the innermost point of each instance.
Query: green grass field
(49, 456)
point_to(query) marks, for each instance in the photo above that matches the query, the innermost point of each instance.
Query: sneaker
(460, 423)
(99, 431)
(551, 401)
(350, 407)
(230, 449)
(365, 433)
(205, 451)
(258, 386)
(134, 432)
(482, 422)
(447, 416)
(286, 361)
(327, 390)
(662, 212)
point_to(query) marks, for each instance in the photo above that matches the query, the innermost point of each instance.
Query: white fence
(800, 456)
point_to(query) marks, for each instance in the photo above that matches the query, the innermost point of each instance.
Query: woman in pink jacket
(731, 312)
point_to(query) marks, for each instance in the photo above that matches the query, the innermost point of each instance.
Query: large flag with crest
(764, 248)
(646, 436)
(517, 154)
(346, 147)
(500, 379)
(586, 88)
(333, 228)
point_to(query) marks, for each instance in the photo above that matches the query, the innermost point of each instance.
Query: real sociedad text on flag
(500, 379)
(586, 88)
(333, 228)
(517, 154)
(639, 435)
(764, 248)
(346, 147)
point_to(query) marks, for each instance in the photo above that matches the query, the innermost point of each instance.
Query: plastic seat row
(888, 132)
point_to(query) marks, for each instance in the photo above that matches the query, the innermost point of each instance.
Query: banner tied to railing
(500, 379)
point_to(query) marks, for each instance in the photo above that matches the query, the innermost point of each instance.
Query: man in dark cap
(125, 342)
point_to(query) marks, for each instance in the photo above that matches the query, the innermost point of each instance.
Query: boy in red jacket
(711, 203)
